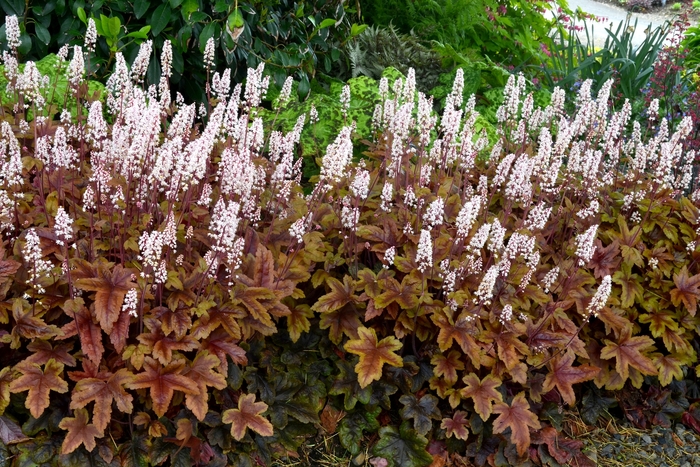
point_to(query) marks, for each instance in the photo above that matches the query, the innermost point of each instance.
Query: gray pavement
(613, 15)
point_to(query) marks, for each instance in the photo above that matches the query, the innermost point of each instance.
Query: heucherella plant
(169, 291)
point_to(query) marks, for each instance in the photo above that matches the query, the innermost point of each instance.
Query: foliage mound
(170, 293)
(291, 37)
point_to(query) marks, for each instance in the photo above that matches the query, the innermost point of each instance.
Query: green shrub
(295, 37)
(511, 32)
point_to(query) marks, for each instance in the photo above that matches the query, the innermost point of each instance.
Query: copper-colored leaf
(448, 365)
(457, 425)
(483, 392)
(226, 318)
(519, 419)
(345, 321)
(247, 415)
(627, 351)
(39, 383)
(298, 321)
(631, 285)
(373, 354)
(79, 432)
(111, 287)
(202, 372)
(178, 322)
(687, 290)
(564, 376)
(120, 332)
(5, 381)
(8, 267)
(162, 346)
(405, 294)
(459, 331)
(340, 295)
(28, 324)
(89, 332)
(163, 382)
(605, 261)
(221, 344)
(103, 392)
(184, 430)
(669, 367)
(44, 351)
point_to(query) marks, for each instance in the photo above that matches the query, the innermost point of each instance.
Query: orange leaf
(605, 261)
(457, 425)
(448, 365)
(163, 382)
(202, 372)
(627, 352)
(44, 351)
(111, 287)
(29, 324)
(39, 383)
(79, 432)
(162, 346)
(220, 343)
(670, 367)
(5, 381)
(687, 290)
(373, 354)
(341, 294)
(298, 321)
(247, 415)
(343, 321)
(519, 419)
(459, 331)
(483, 392)
(564, 376)
(83, 325)
(405, 294)
(103, 392)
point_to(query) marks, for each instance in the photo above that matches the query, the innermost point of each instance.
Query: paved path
(614, 14)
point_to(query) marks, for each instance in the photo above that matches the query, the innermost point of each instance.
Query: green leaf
(141, 7)
(304, 86)
(220, 6)
(134, 453)
(594, 405)
(235, 19)
(354, 424)
(357, 29)
(42, 33)
(160, 19)
(402, 447)
(141, 33)
(114, 26)
(82, 15)
(328, 22)
(175, 3)
(208, 32)
(189, 7)
(346, 383)
(421, 411)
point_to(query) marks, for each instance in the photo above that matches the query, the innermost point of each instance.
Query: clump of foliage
(170, 294)
(511, 32)
(573, 60)
(378, 48)
(291, 38)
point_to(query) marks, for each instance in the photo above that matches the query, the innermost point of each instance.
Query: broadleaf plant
(174, 286)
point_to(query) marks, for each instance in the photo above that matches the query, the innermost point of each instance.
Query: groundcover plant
(171, 294)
